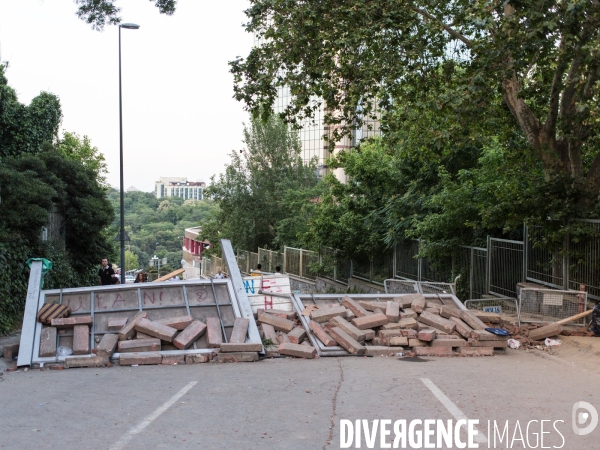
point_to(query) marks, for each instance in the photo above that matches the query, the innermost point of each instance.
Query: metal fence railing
(270, 259)
(543, 305)
(500, 305)
(505, 267)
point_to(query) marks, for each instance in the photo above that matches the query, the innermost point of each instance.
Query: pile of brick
(408, 324)
(139, 341)
(283, 334)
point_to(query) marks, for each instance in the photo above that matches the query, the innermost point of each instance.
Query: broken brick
(297, 350)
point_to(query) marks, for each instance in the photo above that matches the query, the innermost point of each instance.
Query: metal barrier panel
(407, 266)
(441, 270)
(505, 266)
(252, 261)
(362, 269)
(550, 305)
(292, 261)
(308, 258)
(382, 267)
(584, 260)
(543, 266)
(500, 305)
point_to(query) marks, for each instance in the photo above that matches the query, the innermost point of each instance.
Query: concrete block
(279, 323)
(398, 341)
(69, 322)
(462, 328)
(356, 334)
(240, 330)
(346, 341)
(417, 343)
(270, 332)
(542, 333)
(116, 324)
(297, 350)
(392, 311)
(470, 319)
(179, 322)
(434, 351)
(85, 361)
(371, 321)
(146, 358)
(477, 351)
(494, 344)
(418, 303)
(449, 343)
(326, 314)
(297, 335)
(449, 311)
(426, 335)
(128, 331)
(214, 333)
(320, 333)
(48, 342)
(139, 345)
(156, 330)
(354, 306)
(289, 315)
(198, 358)
(191, 333)
(237, 357)
(437, 322)
(171, 360)
(379, 350)
(81, 339)
(107, 345)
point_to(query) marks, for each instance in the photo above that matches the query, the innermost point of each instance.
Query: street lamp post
(129, 26)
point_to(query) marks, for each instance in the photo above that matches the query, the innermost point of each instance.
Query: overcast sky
(179, 117)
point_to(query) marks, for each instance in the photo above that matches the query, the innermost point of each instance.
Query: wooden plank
(169, 275)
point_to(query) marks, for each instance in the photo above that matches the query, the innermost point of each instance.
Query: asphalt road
(289, 403)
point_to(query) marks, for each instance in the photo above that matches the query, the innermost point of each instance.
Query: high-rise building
(179, 187)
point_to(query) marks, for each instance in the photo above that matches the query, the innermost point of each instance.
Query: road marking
(148, 420)
(451, 407)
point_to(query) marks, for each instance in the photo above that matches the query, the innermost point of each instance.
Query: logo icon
(579, 418)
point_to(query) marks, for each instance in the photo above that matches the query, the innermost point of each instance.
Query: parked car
(129, 279)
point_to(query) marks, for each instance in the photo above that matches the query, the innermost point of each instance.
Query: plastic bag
(64, 351)
(596, 320)
(552, 342)
(513, 343)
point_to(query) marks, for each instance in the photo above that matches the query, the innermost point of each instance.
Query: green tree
(365, 58)
(99, 13)
(80, 149)
(251, 193)
(131, 260)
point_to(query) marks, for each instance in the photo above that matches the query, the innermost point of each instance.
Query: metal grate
(549, 305)
(504, 306)
(505, 267)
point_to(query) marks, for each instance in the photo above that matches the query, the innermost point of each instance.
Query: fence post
(394, 262)
(284, 260)
(335, 264)
(419, 266)
(488, 266)
(525, 251)
(300, 269)
(565, 259)
(471, 275)
(371, 272)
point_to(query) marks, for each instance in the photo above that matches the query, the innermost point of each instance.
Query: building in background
(192, 252)
(179, 187)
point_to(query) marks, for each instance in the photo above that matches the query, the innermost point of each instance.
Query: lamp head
(129, 26)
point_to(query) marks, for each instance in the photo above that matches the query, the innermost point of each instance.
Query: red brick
(378, 350)
(405, 300)
(213, 331)
(128, 331)
(354, 306)
(408, 322)
(495, 344)
(116, 324)
(283, 337)
(191, 333)
(179, 322)
(409, 333)
(346, 341)
(416, 343)
(237, 357)
(386, 334)
(325, 314)
(392, 311)
(488, 317)
(68, 322)
(240, 330)
(171, 360)
(544, 332)
(279, 323)
(437, 322)
(434, 351)
(81, 340)
(448, 343)
(435, 311)
(482, 335)
(369, 334)
(269, 332)
(11, 350)
(48, 342)
(107, 345)
(197, 358)
(139, 345)
(356, 334)
(374, 320)
(130, 359)
(378, 342)
(241, 347)
(297, 350)
(139, 335)
(398, 341)
(289, 315)
(477, 351)
(297, 335)
(320, 333)
(449, 312)
(85, 361)
(371, 305)
(408, 314)
(426, 335)
(391, 326)
(156, 330)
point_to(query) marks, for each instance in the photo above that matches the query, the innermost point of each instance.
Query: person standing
(277, 272)
(140, 278)
(106, 273)
(219, 275)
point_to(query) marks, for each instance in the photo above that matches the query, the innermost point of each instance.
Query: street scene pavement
(292, 404)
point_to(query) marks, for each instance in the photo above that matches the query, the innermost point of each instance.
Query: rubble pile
(283, 334)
